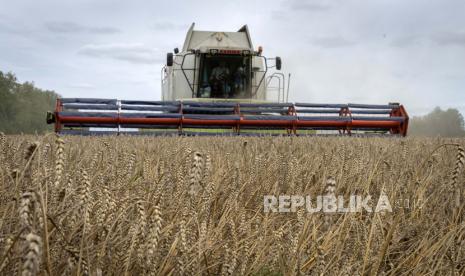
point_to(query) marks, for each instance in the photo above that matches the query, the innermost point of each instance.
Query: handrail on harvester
(87, 113)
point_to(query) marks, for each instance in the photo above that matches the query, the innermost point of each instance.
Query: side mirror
(278, 63)
(169, 59)
(176, 51)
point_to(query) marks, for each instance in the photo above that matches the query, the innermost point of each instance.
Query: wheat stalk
(31, 257)
(59, 160)
(123, 205)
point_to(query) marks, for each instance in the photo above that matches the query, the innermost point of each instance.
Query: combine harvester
(219, 84)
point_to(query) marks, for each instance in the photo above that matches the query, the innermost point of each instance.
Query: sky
(337, 51)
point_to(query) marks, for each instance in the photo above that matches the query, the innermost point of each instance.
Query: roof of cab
(221, 40)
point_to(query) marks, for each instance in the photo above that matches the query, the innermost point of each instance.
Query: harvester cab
(218, 83)
(218, 65)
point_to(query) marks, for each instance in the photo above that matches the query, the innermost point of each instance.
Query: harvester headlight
(246, 52)
(213, 51)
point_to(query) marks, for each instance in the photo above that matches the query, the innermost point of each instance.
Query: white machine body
(219, 66)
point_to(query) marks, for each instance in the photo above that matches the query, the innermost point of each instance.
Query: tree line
(23, 106)
(439, 122)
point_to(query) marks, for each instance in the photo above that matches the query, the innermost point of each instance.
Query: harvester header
(85, 116)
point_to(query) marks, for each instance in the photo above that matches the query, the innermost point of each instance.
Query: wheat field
(195, 206)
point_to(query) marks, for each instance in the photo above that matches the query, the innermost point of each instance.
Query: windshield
(224, 76)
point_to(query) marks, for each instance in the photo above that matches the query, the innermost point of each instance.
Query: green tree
(446, 123)
(23, 106)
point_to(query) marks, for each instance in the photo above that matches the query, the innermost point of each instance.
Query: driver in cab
(219, 78)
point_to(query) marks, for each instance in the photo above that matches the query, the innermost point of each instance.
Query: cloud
(331, 42)
(308, 6)
(279, 15)
(450, 38)
(82, 85)
(67, 27)
(406, 40)
(440, 38)
(15, 29)
(169, 26)
(130, 52)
